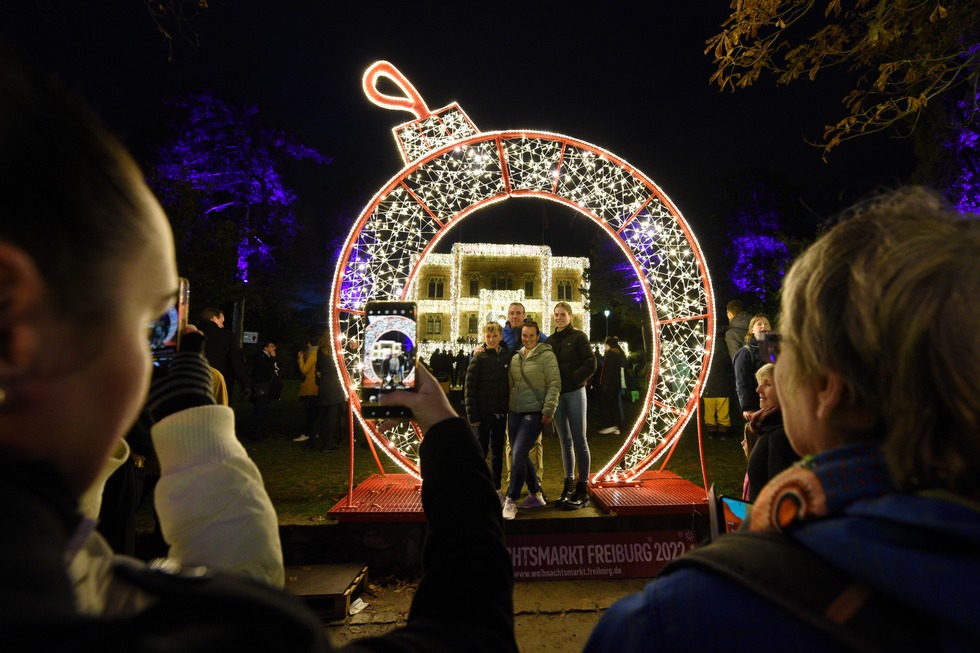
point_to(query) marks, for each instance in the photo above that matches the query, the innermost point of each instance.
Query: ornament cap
(411, 101)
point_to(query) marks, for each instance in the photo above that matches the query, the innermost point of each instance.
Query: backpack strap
(809, 588)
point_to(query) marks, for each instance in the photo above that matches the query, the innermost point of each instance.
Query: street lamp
(607, 321)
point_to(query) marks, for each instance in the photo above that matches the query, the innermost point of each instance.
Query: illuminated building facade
(459, 292)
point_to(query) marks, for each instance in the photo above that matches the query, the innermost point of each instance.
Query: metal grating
(385, 498)
(656, 493)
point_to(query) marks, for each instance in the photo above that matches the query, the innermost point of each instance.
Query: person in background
(772, 452)
(486, 395)
(462, 363)
(266, 385)
(77, 333)
(611, 400)
(223, 351)
(747, 362)
(328, 430)
(308, 388)
(576, 364)
(738, 326)
(872, 541)
(535, 384)
(718, 390)
(749, 440)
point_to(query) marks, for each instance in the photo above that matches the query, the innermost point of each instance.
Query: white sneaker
(609, 430)
(510, 510)
(501, 496)
(302, 438)
(534, 501)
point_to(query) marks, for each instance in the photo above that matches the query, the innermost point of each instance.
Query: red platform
(652, 493)
(398, 498)
(382, 498)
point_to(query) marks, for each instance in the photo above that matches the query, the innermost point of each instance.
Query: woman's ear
(829, 391)
(21, 295)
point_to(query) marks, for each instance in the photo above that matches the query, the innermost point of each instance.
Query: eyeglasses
(769, 346)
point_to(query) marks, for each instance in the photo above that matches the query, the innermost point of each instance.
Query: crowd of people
(871, 541)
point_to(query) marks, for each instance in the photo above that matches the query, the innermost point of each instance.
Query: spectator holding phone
(872, 542)
(86, 263)
(747, 362)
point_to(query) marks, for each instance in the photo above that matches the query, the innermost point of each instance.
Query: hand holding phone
(167, 330)
(428, 403)
(388, 356)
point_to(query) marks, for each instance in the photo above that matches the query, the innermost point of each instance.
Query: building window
(565, 290)
(529, 286)
(435, 287)
(474, 323)
(433, 325)
(474, 286)
(501, 281)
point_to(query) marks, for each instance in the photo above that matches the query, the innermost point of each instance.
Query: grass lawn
(304, 485)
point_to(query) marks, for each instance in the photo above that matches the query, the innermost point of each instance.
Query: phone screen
(165, 331)
(733, 511)
(389, 355)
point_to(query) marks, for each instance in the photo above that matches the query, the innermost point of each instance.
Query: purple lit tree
(222, 183)
(613, 285)
(757, 248)
(962, 149)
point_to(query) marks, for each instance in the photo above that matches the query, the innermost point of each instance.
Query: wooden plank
(327, 589)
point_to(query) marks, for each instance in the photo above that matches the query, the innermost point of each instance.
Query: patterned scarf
(821, 485)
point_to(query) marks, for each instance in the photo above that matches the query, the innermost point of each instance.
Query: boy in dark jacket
(485, 395)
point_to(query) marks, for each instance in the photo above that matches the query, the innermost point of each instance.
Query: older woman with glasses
(772, 452)
(872, 541)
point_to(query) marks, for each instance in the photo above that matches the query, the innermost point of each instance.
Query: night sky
(633, 80)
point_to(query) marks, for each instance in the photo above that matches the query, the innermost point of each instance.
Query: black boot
(566, 492)
(579, 499)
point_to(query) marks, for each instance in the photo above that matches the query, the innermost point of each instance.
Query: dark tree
(222, 184)
(902, 55)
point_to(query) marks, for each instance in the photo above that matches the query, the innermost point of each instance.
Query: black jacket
(329, 391)
(223, 353)
(747, 363)
(771, 454)
(486, 390)
(222, 612)
(721, 374)
(576, 360)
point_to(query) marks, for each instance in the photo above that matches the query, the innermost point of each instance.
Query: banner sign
(577, 556)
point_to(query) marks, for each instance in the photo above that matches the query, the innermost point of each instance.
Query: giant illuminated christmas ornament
(452, 170)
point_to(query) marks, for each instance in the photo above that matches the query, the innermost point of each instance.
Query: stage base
(629, 531)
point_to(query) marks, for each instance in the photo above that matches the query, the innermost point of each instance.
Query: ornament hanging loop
(411, 101)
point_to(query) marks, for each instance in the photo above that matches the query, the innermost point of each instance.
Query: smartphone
(388, 356)
(725, 514)
(733, 513)
(165, 332)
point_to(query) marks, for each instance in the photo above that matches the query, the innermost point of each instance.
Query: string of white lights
(452, 171)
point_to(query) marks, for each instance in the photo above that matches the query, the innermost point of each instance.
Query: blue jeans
(524, 429)
(570, 425)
